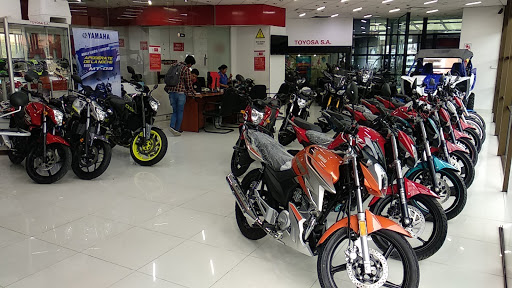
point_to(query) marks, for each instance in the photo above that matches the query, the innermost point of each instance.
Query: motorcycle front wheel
(475, 138)
(468, 145)
(249, 232)
(452, 191)
(150, 152)
(461, 161)
(429, 225)
(396, 255)
(58, 161)
(88, 167)
(240, 160)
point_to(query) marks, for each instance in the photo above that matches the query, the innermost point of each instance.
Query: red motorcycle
(32, 135)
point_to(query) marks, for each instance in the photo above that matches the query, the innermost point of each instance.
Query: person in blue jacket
(224, 79)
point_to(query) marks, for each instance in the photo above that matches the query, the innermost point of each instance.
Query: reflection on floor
(172, 225)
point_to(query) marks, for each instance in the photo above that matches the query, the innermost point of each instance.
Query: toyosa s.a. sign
(320, 32)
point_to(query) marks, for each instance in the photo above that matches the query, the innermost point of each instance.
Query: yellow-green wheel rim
(154, 140)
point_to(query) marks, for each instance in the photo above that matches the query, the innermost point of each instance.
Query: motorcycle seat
(272, 153)
(318, 138)
(306, 125)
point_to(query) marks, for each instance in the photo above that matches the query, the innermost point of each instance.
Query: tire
(476, 123)
(473, 117)
(475, 114)
(458, 191)
(467, 172)
(285, 137)
(15, 158)
(475, 138)
(249, 232)
(154, 151)
(99, 148)
(431, 210)
(33, 162)
(240, 160)
(471, 102)
(411, 270)
(468, 145)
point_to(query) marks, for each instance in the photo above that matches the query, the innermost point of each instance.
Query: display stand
(41, 46)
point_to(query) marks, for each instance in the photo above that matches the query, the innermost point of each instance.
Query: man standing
(178, 94)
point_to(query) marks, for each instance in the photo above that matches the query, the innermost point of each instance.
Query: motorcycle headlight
(59, 117)
(99, 114)
(256, 116)
(366, 77)
(302, 103)
(154, 104)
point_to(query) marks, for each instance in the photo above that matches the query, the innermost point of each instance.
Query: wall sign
(179, 46)
(259, 60)
(320, 32)
(96, 55)
(155, 58)
(143, 45)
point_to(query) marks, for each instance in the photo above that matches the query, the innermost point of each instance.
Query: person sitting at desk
(195, 84)
(224, 80)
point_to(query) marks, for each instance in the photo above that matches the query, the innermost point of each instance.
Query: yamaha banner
(97, 56)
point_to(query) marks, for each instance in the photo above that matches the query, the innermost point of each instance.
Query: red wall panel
(232, 15)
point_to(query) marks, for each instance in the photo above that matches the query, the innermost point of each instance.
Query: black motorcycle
(129, 123)
(297, 107)
(91, 149)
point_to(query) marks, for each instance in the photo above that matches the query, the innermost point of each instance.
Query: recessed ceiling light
(344, 1)
(394, 10)
(358, 9)
(362, 27)
(368, 16)
(302, 15)
(474, 3)
(320, 8)
(430, 2)
(387, 1)
(364, 21)
(151, 3)
(334, 15)
(432, 11)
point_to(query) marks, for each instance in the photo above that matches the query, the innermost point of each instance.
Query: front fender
(453, 147)
(373, 223)
(411, 189)
(93, 136)
(438, 165)
(51, 139)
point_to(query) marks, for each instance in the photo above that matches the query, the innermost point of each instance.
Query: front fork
(406, 220)
(428, 157)
(45, 131)
(442, 139)
(361, 219)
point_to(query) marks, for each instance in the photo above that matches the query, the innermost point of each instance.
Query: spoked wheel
(462, 162)
(452, 191)
(395, 265)
(49, 168)
(428, 222)
(94, 163)
(149, 152)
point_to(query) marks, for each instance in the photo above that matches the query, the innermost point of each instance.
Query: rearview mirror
(131, 70)
(76, 79)
(31, 76)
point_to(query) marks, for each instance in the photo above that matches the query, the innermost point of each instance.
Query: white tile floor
(172, 226)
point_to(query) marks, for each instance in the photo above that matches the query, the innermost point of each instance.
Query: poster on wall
(259, 60)
(179, 46)
(97, 58)
(143, 45)
(155, 58)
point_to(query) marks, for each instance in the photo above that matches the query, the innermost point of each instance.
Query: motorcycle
(129, 123)
(32, 135)
(91, 149)
(298, 107)
(260, 115)
(294, 195)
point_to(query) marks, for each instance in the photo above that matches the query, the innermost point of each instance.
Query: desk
(193, 119)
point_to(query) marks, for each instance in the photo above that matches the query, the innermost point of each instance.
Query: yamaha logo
(90, 35)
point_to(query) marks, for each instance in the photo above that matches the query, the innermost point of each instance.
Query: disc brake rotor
(455, 162)
(91, 158)
(378, 275)
(444, 189)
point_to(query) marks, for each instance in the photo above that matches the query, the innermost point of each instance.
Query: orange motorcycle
(291, 197)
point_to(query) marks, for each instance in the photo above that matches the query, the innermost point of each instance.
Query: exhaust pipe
(241, 200)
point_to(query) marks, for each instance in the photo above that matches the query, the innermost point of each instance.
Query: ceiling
(295, 7)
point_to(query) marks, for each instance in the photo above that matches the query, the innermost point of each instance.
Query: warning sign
(260, 35)
(259, 60)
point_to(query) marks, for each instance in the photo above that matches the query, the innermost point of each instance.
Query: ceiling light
(387, 1)
(364, 21)
(344, 1)
(432, 11)
(362, 27)
(358, 9)
(394, 10)
(474, 3)
(335, 15)
(368, 16)
(320, 8)
(302, 15)
(430, 2)
(151, 3)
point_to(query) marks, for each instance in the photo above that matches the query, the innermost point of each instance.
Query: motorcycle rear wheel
(60, 158)
(150, 152)
(102, 153)
(397, 245)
